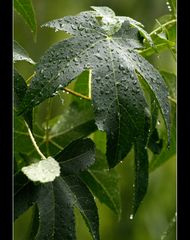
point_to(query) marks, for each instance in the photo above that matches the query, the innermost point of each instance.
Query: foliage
(113, 89)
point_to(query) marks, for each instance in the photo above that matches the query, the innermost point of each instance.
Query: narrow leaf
(26, 10)
(141, 175)
(104, 183)
(77, 156)
(20, 89)
(86, 204)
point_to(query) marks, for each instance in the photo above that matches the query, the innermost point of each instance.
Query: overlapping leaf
(55, 200)
(118, 100)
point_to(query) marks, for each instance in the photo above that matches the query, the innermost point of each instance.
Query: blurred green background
(159, 204)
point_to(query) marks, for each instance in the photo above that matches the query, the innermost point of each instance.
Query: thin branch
(161, 27)
(172, 99)
(34, 142)
(29, 79)
(76, 93)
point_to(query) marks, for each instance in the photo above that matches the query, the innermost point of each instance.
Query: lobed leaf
(109, 50)
(55, 200)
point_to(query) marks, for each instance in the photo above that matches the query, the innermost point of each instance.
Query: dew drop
(131, 217)
(121, 67)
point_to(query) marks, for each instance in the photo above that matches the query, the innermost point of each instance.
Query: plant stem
(163, 25)
(28, 80)
(76, 93)
(34, 142)
(172, 99)
(89, 83)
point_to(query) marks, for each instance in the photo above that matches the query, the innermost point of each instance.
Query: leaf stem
(172, 99)
(34, 142)
(89, 83)
(28, 80)
(163, 25)
(76, 94)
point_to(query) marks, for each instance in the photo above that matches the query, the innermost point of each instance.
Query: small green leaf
(104, 183)
(20, 54)
(26, 10)
(43, 171)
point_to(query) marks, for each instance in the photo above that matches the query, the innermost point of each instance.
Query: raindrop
(121, 67)
(158, 122)
(131, 217)
(98, 56)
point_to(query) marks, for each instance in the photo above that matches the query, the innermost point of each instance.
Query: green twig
(76, 94)
(34, 142)
(29, 79)
(163, 25)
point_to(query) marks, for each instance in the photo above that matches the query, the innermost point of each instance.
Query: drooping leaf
(141, 175)
(104, 183)
(20, 88)
(118, 100)
(55, 200)
(77, 156)
(166, 152)
(20, 54)
(26, 10)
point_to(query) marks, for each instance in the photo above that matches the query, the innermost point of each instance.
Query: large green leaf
(55, 200)
(26, 10)
(20, 54)
(115, 87)
(104, 183)
(108, 48)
